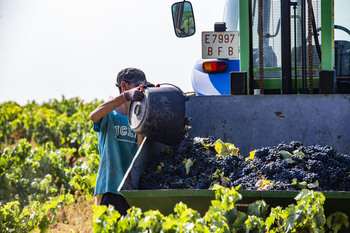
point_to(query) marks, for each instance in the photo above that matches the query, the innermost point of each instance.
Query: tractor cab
(270, 47)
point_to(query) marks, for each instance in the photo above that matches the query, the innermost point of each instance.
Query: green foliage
(188, 164)
(8, 114)
(258, 208)
(63, 123)
(36, 174)
(44, 149)
(222, 216)
(225, 149)
(336, 220)
(34, 216)
(306, 216)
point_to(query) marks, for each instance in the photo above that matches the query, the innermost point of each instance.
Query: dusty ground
(77, 217)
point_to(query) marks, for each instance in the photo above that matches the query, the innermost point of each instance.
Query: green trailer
(200, 200)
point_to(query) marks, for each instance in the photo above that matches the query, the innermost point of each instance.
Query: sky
(75, 48)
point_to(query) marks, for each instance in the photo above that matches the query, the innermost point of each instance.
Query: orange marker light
(214, 66)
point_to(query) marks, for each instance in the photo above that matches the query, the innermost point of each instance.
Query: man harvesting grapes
(117, 142)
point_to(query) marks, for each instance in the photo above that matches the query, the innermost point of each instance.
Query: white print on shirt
(123, 130)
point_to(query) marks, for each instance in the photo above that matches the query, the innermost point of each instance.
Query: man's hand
(133, 94)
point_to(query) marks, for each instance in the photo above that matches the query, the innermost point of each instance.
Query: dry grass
(76, 217)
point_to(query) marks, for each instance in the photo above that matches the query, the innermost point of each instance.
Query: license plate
(220, 45)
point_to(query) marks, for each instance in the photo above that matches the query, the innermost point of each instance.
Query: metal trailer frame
(250, 122)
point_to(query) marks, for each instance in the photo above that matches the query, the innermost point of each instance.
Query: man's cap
(131, 75)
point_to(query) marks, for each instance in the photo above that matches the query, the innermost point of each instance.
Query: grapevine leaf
(302, 184)
(345, 219)
(289, 215)
(225, 149)
(329, 221)
(313, 185)
(273, 218)
(287, 156)
(299, 215)
(220, 147)
(302, 195)
(294, 182)
(263, 184)
(289, 160)
(169, 224)
(336, 227)
(299, 154)
(240, 219)
(188, 164)
(336, 220)
(232, 149)
(44, 223)
(270, 220)
(258, 208)
(99, 211)
(254, 223)
(251, 155)
(319, 219)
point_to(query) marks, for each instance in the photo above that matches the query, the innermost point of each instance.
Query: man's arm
(139, 139)
(105, 108)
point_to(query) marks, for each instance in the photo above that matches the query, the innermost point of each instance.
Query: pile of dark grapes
(290, 166)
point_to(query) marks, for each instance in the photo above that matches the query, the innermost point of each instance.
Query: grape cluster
(314, 167)
(290, 166)
(168, 170)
